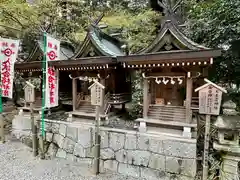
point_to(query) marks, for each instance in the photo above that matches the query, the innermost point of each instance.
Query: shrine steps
(86, 107)
(167, 113)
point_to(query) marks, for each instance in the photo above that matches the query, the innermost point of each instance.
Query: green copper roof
(104, 44)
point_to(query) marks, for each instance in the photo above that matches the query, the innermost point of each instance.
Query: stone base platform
(128, 152)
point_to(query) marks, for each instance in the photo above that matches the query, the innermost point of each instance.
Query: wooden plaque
(210, 100)
(96, 95)
(29, 94)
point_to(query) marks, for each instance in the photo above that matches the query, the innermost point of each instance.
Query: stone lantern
(228, 126)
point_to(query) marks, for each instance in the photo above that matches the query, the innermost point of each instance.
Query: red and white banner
(52, 75)
(8, 55)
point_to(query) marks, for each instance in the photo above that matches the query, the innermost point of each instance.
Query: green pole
(43, 79)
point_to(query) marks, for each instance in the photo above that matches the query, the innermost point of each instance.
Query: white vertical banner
(52, 74)
(8, 55)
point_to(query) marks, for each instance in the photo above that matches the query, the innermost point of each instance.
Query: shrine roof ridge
(210, 83)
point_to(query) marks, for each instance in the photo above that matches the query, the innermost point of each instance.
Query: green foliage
(216, 23)
(137, 95)
(137, 30)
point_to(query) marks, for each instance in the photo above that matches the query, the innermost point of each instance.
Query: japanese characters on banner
(52, 75)
(8, 55)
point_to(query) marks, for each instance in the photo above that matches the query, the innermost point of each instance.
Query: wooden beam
(145, 98)
(189, 90)
(185, 55)
(74, 93)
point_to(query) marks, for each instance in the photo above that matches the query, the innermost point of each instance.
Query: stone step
(87, 109)
(168, 118)
(167, 110)
(168, 107)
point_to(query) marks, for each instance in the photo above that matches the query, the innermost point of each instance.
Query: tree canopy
(216, 23)
(19, 19)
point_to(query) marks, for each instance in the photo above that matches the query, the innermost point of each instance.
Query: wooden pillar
(103, 82)
(145, 98)
(189, 87)
(74, 94)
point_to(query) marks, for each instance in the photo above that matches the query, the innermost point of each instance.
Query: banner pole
(41, 140)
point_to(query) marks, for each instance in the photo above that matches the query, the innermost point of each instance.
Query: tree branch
(9, 15)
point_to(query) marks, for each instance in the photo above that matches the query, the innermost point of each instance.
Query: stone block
(107, 154)
(101, 166)
(131, 141)
(142, 142)
(61, 153)
(180, 177)
(139, 158)
(111, 165)
(173, 165)
(71, 157)
(72, 133)
(121, 156)
(116, 141)
(189, 167)
(187, 132)
(90, 152)
(68, 145)
(21, 123)
(58, 139)
(63, 130)
(85, 137)
(52, 150)
(179, 149)
(152, 174)
(155, 145)
(129, 170)
(142, 127)
(55, 128)
(86, 161)
(157, 162)
(48, 126)
(104, 139)
(49, 137)
(79, 151)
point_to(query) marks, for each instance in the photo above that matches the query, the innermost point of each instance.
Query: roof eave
(172, 55)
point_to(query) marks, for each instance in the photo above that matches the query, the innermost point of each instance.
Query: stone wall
(126, 152)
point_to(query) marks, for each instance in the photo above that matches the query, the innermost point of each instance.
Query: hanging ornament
(180, 81)
(172, 81)
(165, 81)
(158, 81)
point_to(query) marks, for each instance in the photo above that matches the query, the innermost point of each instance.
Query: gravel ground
(17, 163)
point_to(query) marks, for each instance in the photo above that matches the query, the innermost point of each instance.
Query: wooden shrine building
(172, 67)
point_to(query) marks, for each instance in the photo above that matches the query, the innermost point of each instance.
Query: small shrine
(171, 67)
(228, 127)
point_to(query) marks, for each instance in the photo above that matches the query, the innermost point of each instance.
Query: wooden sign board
(96, 93)
(210, 100)
(29, 92)
(210, 97)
